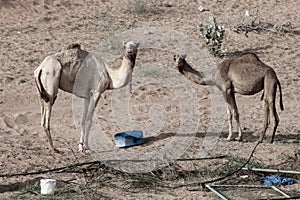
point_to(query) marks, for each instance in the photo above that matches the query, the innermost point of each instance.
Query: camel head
(131, 49)
(73, 46)
(180, 62)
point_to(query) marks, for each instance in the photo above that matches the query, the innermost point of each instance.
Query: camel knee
(229, 115)
(47, 131)
(276, 118)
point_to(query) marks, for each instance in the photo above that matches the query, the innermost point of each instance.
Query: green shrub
(284, 27)
(213, 34)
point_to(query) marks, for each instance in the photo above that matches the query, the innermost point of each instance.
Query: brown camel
(246, 75)
(59, 71)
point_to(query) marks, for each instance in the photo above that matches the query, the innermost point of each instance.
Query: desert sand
(33, 29)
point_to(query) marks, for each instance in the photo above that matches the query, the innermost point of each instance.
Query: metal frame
(214, 189)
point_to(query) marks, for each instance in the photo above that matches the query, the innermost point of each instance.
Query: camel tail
(280, 97)
(40, 87)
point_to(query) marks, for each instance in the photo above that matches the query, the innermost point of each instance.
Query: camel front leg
(87, 119)
(237, 119)
(234, 110)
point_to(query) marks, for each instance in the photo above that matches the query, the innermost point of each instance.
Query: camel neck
(121, 76)
(209, 77)
(131, 58)
(192, 74)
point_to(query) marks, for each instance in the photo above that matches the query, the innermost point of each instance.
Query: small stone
(244, 176)
(201, 9)
(247, 13)
(148, 32)
(168, 5)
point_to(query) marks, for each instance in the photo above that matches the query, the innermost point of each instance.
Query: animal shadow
(248, 136)
(152, 139)
(18, 185)
(287, 138)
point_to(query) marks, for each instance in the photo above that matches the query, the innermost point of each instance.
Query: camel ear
(183, 56)
(137, 44)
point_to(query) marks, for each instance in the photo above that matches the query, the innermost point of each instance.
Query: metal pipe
(271, 170)
(279, 191)
(217, 192)
(244, 186)
(281, 198)
(222, 196)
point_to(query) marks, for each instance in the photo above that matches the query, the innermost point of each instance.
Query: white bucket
(48, 186)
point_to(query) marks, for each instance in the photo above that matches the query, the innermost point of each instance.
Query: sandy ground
(32, 29)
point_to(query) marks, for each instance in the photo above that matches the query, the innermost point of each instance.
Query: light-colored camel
(61, 70)
(246, 75)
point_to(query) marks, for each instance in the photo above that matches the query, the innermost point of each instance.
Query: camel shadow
(18, 186)
(248, 136)
(287, 138)
(152, 139)
(251, 137)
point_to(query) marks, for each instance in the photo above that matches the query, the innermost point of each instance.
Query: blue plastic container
(129, 138)
(276, 180)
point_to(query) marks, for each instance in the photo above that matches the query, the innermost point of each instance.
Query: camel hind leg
(276, 120)
(46, 123)
(82, 147)
(266, 119)
(47, 81)
(229, 114)
(42, 112)
(270, 107)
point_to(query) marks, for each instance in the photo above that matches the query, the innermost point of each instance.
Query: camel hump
(249, 56)
(73, 46)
